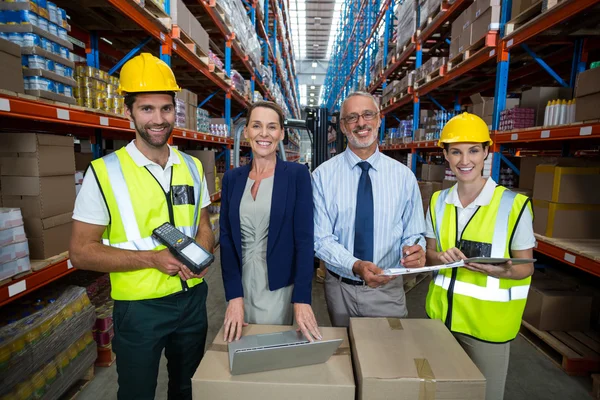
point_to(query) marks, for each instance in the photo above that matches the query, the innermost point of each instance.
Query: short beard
(356, 143)
(157, 143)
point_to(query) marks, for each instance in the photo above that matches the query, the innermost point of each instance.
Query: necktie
(363, 225)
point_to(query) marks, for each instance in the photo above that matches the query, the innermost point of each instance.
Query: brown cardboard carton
(527, 169)
(11, 70)
(572, 221)
(566, 184)
(556, 306)
(199, 35)
(83, 160)
(587, 107)
(30, 154)
(454, 45)
(411, 359)
(484, 106)
(39, 197)
(488, 21)
(53, 240)
(206, 157)
(432, 172)
(518, 6)
(331, 380)
(446, 183)
(464, 42)
(588, 82)
(180, 15)
(538, 97)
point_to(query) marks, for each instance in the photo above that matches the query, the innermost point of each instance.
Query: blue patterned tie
(363, 225)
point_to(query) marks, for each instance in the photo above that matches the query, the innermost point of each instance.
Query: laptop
(271, 351)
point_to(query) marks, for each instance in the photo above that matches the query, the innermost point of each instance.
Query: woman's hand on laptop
(307, 323)
(234, 320)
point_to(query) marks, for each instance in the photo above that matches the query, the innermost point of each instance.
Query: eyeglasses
(353, 118)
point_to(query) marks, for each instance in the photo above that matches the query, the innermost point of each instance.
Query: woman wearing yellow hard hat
(481, 304)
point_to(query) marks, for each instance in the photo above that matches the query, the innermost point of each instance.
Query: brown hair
(266, 104)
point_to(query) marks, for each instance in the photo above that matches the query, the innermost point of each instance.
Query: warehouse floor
(531, 376)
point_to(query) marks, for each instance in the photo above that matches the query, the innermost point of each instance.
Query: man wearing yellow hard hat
(481, 304)
(159, 304)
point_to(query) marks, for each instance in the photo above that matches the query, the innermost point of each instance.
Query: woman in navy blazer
(267, 233)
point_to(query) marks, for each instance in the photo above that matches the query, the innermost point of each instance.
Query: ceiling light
(312, 87)
(313, 77)
(314, 64)
(315, 45)
(312, 95)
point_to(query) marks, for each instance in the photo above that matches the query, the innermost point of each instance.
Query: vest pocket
(183, 194)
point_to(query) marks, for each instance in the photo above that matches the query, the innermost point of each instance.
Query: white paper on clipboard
(404, 271)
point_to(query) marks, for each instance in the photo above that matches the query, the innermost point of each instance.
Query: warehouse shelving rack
(504, 62)
(141, 30)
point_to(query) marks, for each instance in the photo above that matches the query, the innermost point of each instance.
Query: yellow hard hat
(465, 128)
(146, 73)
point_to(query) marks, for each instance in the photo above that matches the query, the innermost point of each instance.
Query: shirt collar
(143, 161)
(353, 159)
(484, 198)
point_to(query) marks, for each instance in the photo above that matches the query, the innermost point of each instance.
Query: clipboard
(457, 264)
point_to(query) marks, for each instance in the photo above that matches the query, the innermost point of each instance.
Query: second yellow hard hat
(146, 73)
(463, 128)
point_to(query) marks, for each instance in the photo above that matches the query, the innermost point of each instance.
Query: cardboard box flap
(30, 142)
(390, 348)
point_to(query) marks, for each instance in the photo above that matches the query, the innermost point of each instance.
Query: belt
(347, 280)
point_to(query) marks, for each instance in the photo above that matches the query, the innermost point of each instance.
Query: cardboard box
(39, 197)
(484, 106)
(457, 27)
(454, 45)
(538, 97)
(570, 221)
(446, 183)
(587, 108)
(464, 40)
(331, 380)
(488, 21)
(180, 15)
(30, 154)
(556, 306)
(199, 35)
(411, 359)
(519, 6)
(527, 166)
(588, 82)
(207, 158)
(566, 184)
(54, 239)
(11, 70)
(432, 172)
(83, 160)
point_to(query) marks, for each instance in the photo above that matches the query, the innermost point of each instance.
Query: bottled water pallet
(577, 353)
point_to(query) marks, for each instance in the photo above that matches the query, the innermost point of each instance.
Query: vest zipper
(450, 292)
(184, 285)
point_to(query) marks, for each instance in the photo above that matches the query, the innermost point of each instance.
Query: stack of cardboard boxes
(564, 206)
(587, 95)
(484, 106)
(14, 251)
(189, 24)
(473, 25)
(11, 71)
(187, 114)
(37, 177)
(539, 96)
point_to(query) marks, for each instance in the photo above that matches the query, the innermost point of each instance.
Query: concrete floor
(531, 376)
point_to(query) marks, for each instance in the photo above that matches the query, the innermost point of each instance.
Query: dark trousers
(143, 328)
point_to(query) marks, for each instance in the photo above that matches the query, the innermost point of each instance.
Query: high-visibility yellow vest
(473, 303)
(137, 205)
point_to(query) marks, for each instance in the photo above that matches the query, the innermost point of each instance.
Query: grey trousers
(345, 301)
(492, 361)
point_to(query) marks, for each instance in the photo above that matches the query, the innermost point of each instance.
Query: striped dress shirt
(398, 219)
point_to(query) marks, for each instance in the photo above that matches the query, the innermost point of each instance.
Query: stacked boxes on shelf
(484, 106)
(46, 344)
(473, 24)
(42, 32)
(427, 190)
(207, 158)
(185, 20)
(428, 8)
(538, 97)
(244, 31)
(14, 250)
(186, 104)
(37, 177)
(103, 331)
(203, 120)
(405, 14)
(507, 178)
(564, 206)
(587, 95)
(98, 90)
(430, 67)
(517, 118)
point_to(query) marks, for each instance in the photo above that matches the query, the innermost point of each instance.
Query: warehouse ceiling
(313, 24)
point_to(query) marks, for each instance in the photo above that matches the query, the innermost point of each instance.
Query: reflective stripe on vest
(148, 243)
(492, 290)
(197, 185)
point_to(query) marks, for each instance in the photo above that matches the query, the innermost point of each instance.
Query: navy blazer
(290, 240)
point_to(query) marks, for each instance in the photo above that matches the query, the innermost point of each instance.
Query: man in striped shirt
(368, 218)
